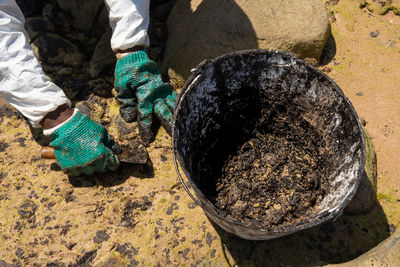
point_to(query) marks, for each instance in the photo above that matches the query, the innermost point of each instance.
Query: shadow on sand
(333, 242)
(329, 51)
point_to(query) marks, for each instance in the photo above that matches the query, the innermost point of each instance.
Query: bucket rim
(308, 222)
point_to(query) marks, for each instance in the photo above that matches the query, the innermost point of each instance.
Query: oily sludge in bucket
(218, 107)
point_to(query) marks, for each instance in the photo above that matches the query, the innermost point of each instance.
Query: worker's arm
(141, 91)
(81, 145)
(129, 21)
(23, 82)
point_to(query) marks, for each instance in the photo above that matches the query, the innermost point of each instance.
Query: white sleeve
(23, 83)
(129, 20)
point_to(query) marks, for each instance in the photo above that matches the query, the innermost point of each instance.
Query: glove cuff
(134, 58)
(50, 131)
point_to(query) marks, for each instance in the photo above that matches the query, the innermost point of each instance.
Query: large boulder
(201, 29)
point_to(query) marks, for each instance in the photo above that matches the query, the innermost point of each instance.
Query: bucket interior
(222, 102)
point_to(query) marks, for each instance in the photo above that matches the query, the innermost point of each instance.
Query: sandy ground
(367, 70)
(143, 217)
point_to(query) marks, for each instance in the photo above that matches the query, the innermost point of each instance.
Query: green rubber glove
(142, 93)
(83, 146)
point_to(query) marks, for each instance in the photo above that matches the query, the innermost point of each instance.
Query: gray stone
(103, 55)
(365, 197)
(201, 29)
(83, 12)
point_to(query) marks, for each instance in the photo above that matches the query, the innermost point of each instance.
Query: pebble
(374, 34)
(326, 69)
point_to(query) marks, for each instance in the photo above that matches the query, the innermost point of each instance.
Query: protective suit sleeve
(23, 83)
(129, 20)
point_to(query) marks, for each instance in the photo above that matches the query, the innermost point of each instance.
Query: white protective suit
(23, 83)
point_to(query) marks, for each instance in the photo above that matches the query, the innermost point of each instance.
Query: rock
(158, 35)
(78, 37)
(34, 26)
(106, 112)
(84, 41)
(203, 29)
(101, 87)
(103, 55)
(29, 7)
(72, 85)
(101, 24)
(74, 59)
(83, 12)
(47, 17)
(312, 61)
(65, 22)
(382, 7)
(124, 130)
(112, 262)
(374, 34)
(160, 11)
(27, 209)
(64, 71)
(365, 197)
(385, 254)
(101, 236)
(54, 49)
(55, 20)
(94, 108)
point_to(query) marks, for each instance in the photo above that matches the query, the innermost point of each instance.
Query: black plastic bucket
(218, 102)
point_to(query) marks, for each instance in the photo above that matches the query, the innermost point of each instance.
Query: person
(81, 145)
